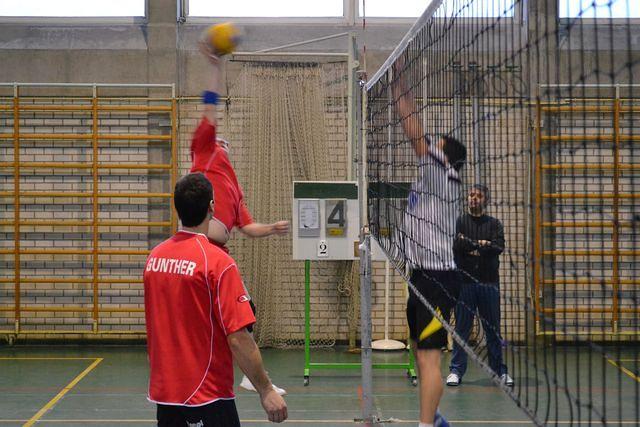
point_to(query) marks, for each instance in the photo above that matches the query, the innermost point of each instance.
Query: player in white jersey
(427, 234)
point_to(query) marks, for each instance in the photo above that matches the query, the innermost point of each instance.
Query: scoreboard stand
(326, 228)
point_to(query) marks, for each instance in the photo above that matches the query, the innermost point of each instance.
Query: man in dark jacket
(479, 241)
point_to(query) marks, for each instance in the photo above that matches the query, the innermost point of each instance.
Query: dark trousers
(485, 298)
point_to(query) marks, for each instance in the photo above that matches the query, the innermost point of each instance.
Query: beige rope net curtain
(291, 121)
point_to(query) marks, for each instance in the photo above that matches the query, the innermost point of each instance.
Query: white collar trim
(191, 232)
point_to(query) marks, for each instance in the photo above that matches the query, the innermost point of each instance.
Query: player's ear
(212, 208)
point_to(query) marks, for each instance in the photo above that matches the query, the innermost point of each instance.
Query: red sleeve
(244, 217)
(232, 308)
(203, 145)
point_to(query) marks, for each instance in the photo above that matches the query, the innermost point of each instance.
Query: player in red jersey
(197, 312)
(209, 155)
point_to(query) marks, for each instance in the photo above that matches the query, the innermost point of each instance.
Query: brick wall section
(597, 268)
(78, 293)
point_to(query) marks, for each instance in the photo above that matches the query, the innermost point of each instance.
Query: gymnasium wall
(162, 51)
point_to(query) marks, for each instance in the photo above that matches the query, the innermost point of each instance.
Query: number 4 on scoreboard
(337, 218)
(337, 214)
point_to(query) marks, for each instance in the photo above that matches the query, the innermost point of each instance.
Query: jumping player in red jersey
(197, 313)
(209, 155)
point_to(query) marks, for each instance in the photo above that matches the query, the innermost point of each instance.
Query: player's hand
(206, 50)
(484, 242)
(280, 227)
(274, 405)
(398, 64)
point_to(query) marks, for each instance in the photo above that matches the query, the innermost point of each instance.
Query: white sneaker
(453, 380)
(279, 390)
(247, 385)
(507, 380)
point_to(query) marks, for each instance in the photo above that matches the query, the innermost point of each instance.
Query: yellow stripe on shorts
(433, 327)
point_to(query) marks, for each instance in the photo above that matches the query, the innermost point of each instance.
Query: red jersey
(207, 157)
(193, 298)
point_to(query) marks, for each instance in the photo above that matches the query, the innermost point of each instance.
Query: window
(72, 8)
(415, 8)
(392, 9)
(263, 8)
(599, 9)
(481, 8)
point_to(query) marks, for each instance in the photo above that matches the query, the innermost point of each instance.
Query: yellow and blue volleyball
(223, 38)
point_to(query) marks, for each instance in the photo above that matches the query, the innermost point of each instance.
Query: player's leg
(465, 311)
(430, 382)
(429, 337)
(246, 382)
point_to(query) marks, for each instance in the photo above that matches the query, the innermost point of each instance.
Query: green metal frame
(308, 365)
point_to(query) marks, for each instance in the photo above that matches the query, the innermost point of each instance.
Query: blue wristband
(209, 97)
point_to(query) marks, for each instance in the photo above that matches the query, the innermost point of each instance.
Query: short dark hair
(191, 197)
(485, 192)
(455, 151)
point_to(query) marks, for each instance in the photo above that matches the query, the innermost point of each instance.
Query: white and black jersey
(429, 225)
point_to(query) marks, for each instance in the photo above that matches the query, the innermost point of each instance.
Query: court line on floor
(47, 358)
(346, 421)
(62, 392)
(623, 369)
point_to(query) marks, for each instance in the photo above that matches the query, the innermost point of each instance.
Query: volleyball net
(542, 96)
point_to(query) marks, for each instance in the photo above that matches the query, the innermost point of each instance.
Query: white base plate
(388, 345)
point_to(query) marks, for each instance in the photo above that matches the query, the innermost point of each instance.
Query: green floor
(113, 392)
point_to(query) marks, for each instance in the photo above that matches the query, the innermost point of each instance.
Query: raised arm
(407, 111)
(214, 84)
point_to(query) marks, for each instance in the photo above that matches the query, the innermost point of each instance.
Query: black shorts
(440, 289)
(221, 413)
